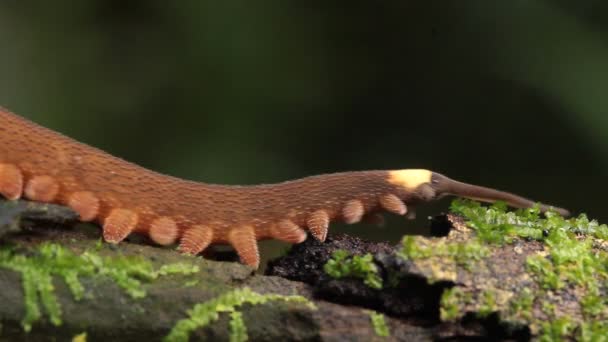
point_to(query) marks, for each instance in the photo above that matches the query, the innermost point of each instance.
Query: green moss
(557, 330)
(342, 265)
(463, 254)
(521, 306)
(548, 308)
(487, 303)
(191, 283)
(203, 314)
(594, 304)
(570, 261)
(452, 302)
(495, 225)
(593, 331)
(378, 323)
(545, 272)
(80, 337)
(50, 260)
(238, 330)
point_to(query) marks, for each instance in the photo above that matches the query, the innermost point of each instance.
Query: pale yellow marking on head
(410, 179)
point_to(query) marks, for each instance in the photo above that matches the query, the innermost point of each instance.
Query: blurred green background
(508, 94)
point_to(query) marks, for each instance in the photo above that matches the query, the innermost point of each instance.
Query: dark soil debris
(411, 297)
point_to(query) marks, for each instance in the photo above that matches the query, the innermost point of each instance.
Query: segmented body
(42, 165)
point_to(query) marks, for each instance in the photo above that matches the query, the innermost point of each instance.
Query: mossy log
(516, 276)
(107, 311)
(455, 285)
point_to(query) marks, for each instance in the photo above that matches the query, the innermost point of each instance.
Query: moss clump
(488, 303)
(593, 331)
(557, 330)
(521, 305)
(572, 264)
(48, 260)
(496, 225)
(342, 265)
(451, 299)
(205, 313)
(80, 337)
(463, 254)
(378, 323)
(238, 330)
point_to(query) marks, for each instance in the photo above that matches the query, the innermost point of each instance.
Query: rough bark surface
(110, 314)
(410, 298)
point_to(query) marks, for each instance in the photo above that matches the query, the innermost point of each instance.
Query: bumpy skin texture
(42, 165)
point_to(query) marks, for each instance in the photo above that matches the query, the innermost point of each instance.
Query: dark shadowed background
(508, 94)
